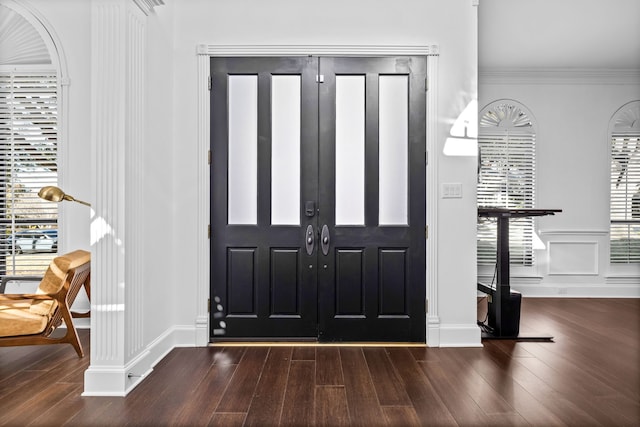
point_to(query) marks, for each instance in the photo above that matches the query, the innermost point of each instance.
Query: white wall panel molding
(117, 138)
(573, 258)
(559, 76)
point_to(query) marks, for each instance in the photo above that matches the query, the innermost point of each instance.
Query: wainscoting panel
(573, 258)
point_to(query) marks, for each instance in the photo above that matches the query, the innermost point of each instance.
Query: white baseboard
(114, 380)
(464, 335)
(433, 331)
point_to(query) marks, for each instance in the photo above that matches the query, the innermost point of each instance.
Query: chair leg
(72, 335)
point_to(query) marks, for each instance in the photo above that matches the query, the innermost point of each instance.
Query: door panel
(264, 131)
(328, 239)
(371, 283)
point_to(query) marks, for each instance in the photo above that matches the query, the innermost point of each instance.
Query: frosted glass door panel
(393, 149)
(285, 150)
(243, 150)
(350, 128)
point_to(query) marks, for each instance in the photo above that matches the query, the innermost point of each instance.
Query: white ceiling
(602, 34)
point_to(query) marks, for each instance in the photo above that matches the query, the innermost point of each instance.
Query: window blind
(507, 180)
(28, 161)
(625, 198)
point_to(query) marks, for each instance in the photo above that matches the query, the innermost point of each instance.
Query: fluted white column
(433, 318)
(117, 137)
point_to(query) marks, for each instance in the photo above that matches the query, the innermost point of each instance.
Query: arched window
(28, 144)
(624, 139)
(507, 171)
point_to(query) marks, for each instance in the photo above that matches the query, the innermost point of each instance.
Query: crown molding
(147, 5)
(319, 50)
(560, 76)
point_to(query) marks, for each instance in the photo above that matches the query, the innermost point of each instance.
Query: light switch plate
(452, 190)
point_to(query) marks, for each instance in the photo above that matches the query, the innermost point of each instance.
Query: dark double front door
(318, 198)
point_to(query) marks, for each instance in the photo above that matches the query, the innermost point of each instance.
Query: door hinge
(208, 305)
(426, 232)
(209, 157)
(426, 305)
(209, 231)
(426, 158)
(319, 78)
(426, 84)
(209, 82)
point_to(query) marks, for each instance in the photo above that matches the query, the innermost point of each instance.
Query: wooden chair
(31, 319)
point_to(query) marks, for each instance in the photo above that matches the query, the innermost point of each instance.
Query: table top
(491, 211)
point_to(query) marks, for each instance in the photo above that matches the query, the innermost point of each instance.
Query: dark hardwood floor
(589, 375)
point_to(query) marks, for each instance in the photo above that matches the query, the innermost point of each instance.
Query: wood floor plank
(266, 405)
(580, 387)
(526, 404)
(331, 407)
(401, 416)
(96, 411)
(389, 387)
(329, 366)
(428, 405)
(227, 419)
(172, 391)
(227, 355)
(237, 397)
(423, 354)
(480, 390)
(460, 404)
(507, 420)
(298, 407)
(38, 403)
(62, 411)
(304, 353)
(553, 401)
(13, 402)
(362, 401)
(201, 405)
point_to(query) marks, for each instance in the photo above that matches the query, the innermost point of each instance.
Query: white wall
(163, 236)
(572, 110)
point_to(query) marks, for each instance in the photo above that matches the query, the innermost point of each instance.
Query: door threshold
(312, 344)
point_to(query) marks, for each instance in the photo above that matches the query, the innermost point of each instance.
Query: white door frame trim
(204, 53)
